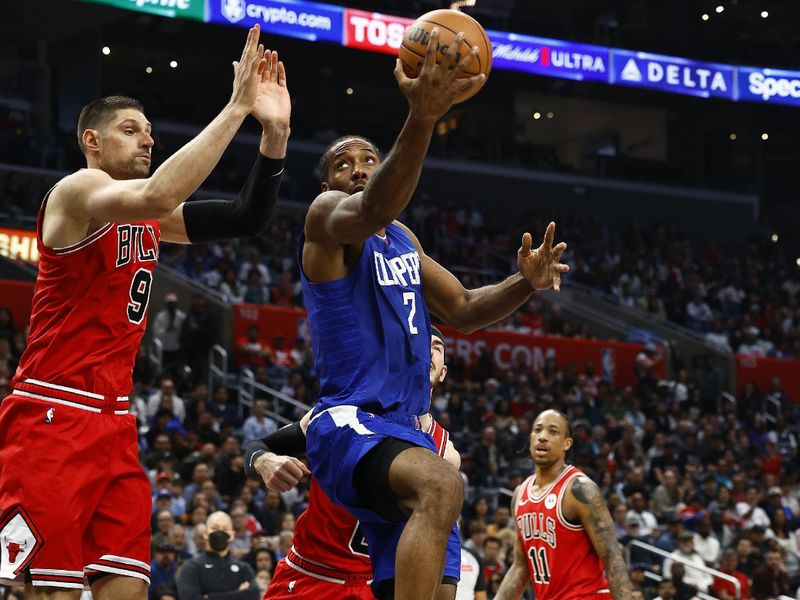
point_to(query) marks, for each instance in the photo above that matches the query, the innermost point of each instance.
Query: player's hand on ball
(542, 267)
(273, 106)
(431, 94)
(247, 72)
(280, 473)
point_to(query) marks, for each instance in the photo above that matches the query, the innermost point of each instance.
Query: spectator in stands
(255, 263)
(164, 566)
(668, 541)
(747, 559)
(252, 350)
(771, 579)
(686, 551)
(477, 535)
(222, 409)
(167, 328)
(166, 398)
(638, 508)
(485, 459)
(231, 289)
(698, 312)
(271, 513)
(683, 589)
(284, 293)
(164, 522)
(500, 520)
(255, 290)
(240, 543)
(788, 540)
(216, 573)
(750, 511)
(724, 589)
(666, 496)
(491, 558)
(258, 425)
(198, 336)
(177, 537)
(705, 543)
(666, 590)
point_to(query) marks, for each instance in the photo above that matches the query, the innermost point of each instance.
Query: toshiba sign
(374, 31)
(19, 244)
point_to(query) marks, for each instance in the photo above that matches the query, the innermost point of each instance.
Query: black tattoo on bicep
(579, 490)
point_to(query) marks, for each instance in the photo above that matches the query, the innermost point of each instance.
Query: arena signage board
(673, 74)
(374, 31)
(183, 9)
(769, 85)
(19, 244)
(553, 58)
(305, 20)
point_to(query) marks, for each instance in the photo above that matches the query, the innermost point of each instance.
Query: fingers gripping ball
(449, 22)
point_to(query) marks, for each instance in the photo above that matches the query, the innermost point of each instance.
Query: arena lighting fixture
(106, 50)
(765, 136)
(732, 137)
(550, 115)
(797, 262)
(720, 8)
(537, 115)
(173, 64)
(349, 91)
(775, 237)
(764, 14)
(705, 17)
(148, 70)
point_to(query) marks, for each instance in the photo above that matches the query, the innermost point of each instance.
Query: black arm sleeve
(287, 441)
(247, 215)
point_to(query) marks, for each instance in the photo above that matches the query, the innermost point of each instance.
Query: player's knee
(443, 492)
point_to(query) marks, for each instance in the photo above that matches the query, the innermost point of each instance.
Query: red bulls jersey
(561, 559)
(89, 312)
(328, 541)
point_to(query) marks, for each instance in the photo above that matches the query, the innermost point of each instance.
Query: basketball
(449, 22)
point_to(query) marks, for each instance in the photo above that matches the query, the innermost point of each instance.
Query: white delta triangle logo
(631, 71)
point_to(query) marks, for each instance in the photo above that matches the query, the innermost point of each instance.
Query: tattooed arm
(518, 577)
(584, 501)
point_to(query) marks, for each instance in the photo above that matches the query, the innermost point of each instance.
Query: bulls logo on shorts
(19, 542)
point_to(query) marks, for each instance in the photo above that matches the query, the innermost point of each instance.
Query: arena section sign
(182, 9)
(19, 244)
(613, 361)
(553, 58)
(305, 20)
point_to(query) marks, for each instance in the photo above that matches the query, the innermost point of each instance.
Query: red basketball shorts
(289, 583)
(74, 499)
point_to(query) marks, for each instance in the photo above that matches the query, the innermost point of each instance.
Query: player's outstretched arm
(273, 458)
(585, 499)
(518, 577)
(351, 219)
(469, 310)
(93, 194)
(249, 213)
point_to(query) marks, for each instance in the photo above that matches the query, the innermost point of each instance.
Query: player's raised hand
(247, 72)
(430, 95)
(542, 267)
(273, 106)
(280, 473)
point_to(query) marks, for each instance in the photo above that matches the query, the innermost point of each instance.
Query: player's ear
(90, 139)
(325, 186)
(568, 442)
(444, 373)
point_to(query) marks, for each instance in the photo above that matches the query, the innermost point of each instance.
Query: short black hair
(560, 414)
(437, 333)
(324, 161)
(97, 113)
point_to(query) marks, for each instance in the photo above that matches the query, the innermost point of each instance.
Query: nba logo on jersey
(48, 416)
(550, 501)
(291, 585)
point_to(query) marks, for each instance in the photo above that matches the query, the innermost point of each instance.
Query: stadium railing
(663, 553)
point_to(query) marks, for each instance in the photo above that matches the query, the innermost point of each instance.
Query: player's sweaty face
(126, 145)
(548, 438)
(352, 164)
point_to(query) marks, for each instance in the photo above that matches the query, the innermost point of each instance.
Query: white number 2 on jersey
(411, 298)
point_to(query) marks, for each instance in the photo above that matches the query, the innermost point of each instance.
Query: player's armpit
(337, 217)
(585, 500)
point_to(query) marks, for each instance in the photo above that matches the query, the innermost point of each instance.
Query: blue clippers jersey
(370, 330)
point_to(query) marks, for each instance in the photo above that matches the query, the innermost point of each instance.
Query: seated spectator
(666, 590)
(771, 579)
(166, 397)
(163, 567)
(648, 523)
(666, 496)
(258, 425)
(750, 511)
(726, 590)
(252, 350)
(694, 577)
(255, 290)
(705, 543)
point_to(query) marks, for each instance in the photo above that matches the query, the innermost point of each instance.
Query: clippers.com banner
(612, 360)
(19, 244)
(761, 371)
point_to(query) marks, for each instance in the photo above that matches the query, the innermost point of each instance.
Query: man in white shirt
(694, 577)
(706, 545)
(167, 391)
(472, 585)
(167, 328)
(639, 508)
(750, 511)
(258, 425)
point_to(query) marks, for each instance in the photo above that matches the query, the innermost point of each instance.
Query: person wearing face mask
(215, 574)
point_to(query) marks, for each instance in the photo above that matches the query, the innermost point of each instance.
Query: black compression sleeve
(247, 215)
(287, 441)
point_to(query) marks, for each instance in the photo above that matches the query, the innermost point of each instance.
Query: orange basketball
(450, 23)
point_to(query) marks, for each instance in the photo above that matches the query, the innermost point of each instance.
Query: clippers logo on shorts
(132, 245)
(401, 270)
(19, 543)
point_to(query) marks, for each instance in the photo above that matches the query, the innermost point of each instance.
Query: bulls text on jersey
(131, 245)
(535, 526)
